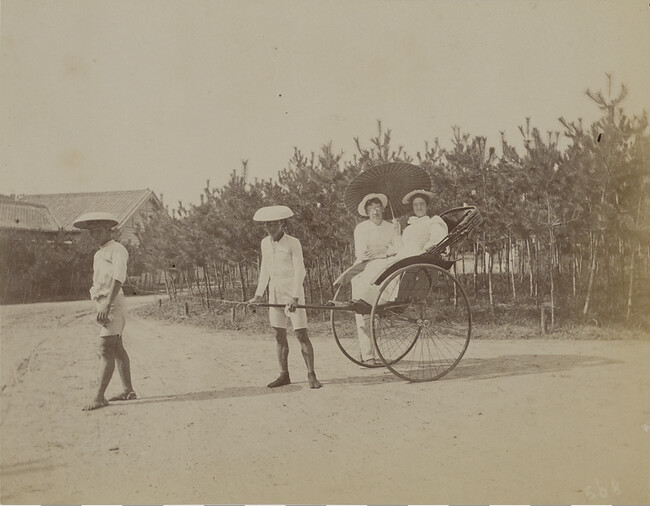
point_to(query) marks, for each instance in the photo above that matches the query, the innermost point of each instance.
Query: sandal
(124, 396)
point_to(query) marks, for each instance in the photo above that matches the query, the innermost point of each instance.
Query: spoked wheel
(421, 322)
(344, 328)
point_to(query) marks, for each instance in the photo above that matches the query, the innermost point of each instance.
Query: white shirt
(282, 269)
(381, 237)
(109, 263)
(421, 234)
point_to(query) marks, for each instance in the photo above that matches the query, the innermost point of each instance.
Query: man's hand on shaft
(256, 300)
(292, 305)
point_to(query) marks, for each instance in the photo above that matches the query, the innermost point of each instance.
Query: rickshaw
(421, 320)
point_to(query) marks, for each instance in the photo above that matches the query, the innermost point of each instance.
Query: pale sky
(116, 95)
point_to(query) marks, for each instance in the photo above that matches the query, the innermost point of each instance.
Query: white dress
(421, 234)
(418, 236)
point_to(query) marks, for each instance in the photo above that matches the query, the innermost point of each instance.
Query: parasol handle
(392, 213)
(390, 204)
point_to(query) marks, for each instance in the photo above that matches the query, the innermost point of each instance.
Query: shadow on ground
(467, 369)
(517, 365)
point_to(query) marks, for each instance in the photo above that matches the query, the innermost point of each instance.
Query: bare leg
(124, 369)
(308, 354)
(106, 369)
(283, 358)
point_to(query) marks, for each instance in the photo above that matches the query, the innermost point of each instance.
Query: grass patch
(504, 322)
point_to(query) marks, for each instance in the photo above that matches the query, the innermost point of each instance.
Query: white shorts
(117, 315)
(279, 318)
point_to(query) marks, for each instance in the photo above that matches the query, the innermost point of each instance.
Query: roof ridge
(139, 202)
(23, 203)
(60, 227)
(83, 193)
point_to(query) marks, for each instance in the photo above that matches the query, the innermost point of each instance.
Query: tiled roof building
(57, 211)
(26, 216)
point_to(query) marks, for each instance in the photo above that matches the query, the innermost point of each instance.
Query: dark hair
(373, 200)
(426, 198)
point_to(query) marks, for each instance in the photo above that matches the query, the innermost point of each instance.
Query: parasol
(394, 180)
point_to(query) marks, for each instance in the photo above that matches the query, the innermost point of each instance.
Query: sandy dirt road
(518, 421)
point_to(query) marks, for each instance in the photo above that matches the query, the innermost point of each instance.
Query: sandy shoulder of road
(518, 421)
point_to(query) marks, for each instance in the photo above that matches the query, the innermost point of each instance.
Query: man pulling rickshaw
(397, 306)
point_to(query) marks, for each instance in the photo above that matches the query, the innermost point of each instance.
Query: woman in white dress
(422, 232)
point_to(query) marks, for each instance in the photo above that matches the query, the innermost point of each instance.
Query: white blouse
(109, 263)
(382, 238)
(421, 234)
(282, 270)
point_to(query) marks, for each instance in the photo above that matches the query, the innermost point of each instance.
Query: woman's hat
(273, 213)
(362, 205)
(87, 220)
(415, 193)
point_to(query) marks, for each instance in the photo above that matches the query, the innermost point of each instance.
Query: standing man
(109, 274)
(283, 271)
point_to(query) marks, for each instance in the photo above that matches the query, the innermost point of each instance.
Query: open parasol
(394, 179)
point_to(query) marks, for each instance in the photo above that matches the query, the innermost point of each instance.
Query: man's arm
(119, 259)
(299, 273)
(105, 305)
(263, 279)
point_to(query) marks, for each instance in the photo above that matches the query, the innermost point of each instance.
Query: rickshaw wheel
(421, 322)
(344, 328)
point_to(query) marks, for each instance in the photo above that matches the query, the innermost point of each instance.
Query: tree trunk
(538, 260)
(530, 266)
(310, 286)
(197, 279)
(631, 287)
(573, 275)
(242, 281)
(455, 288)
(320, 282)
(475, 278)
(330, 277)
(167, 285)
(462, 263)
(551, 276)
(218, 273)
(173, 286)
(222, 280)
(592, 273)
(511, 269)
(483, 263)
(206, 282)
(489, 276)
(187, 282)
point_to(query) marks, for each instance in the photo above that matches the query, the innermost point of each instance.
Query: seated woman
(375, 241)
(422, 232)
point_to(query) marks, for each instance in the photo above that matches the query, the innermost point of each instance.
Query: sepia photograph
(324, 252)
